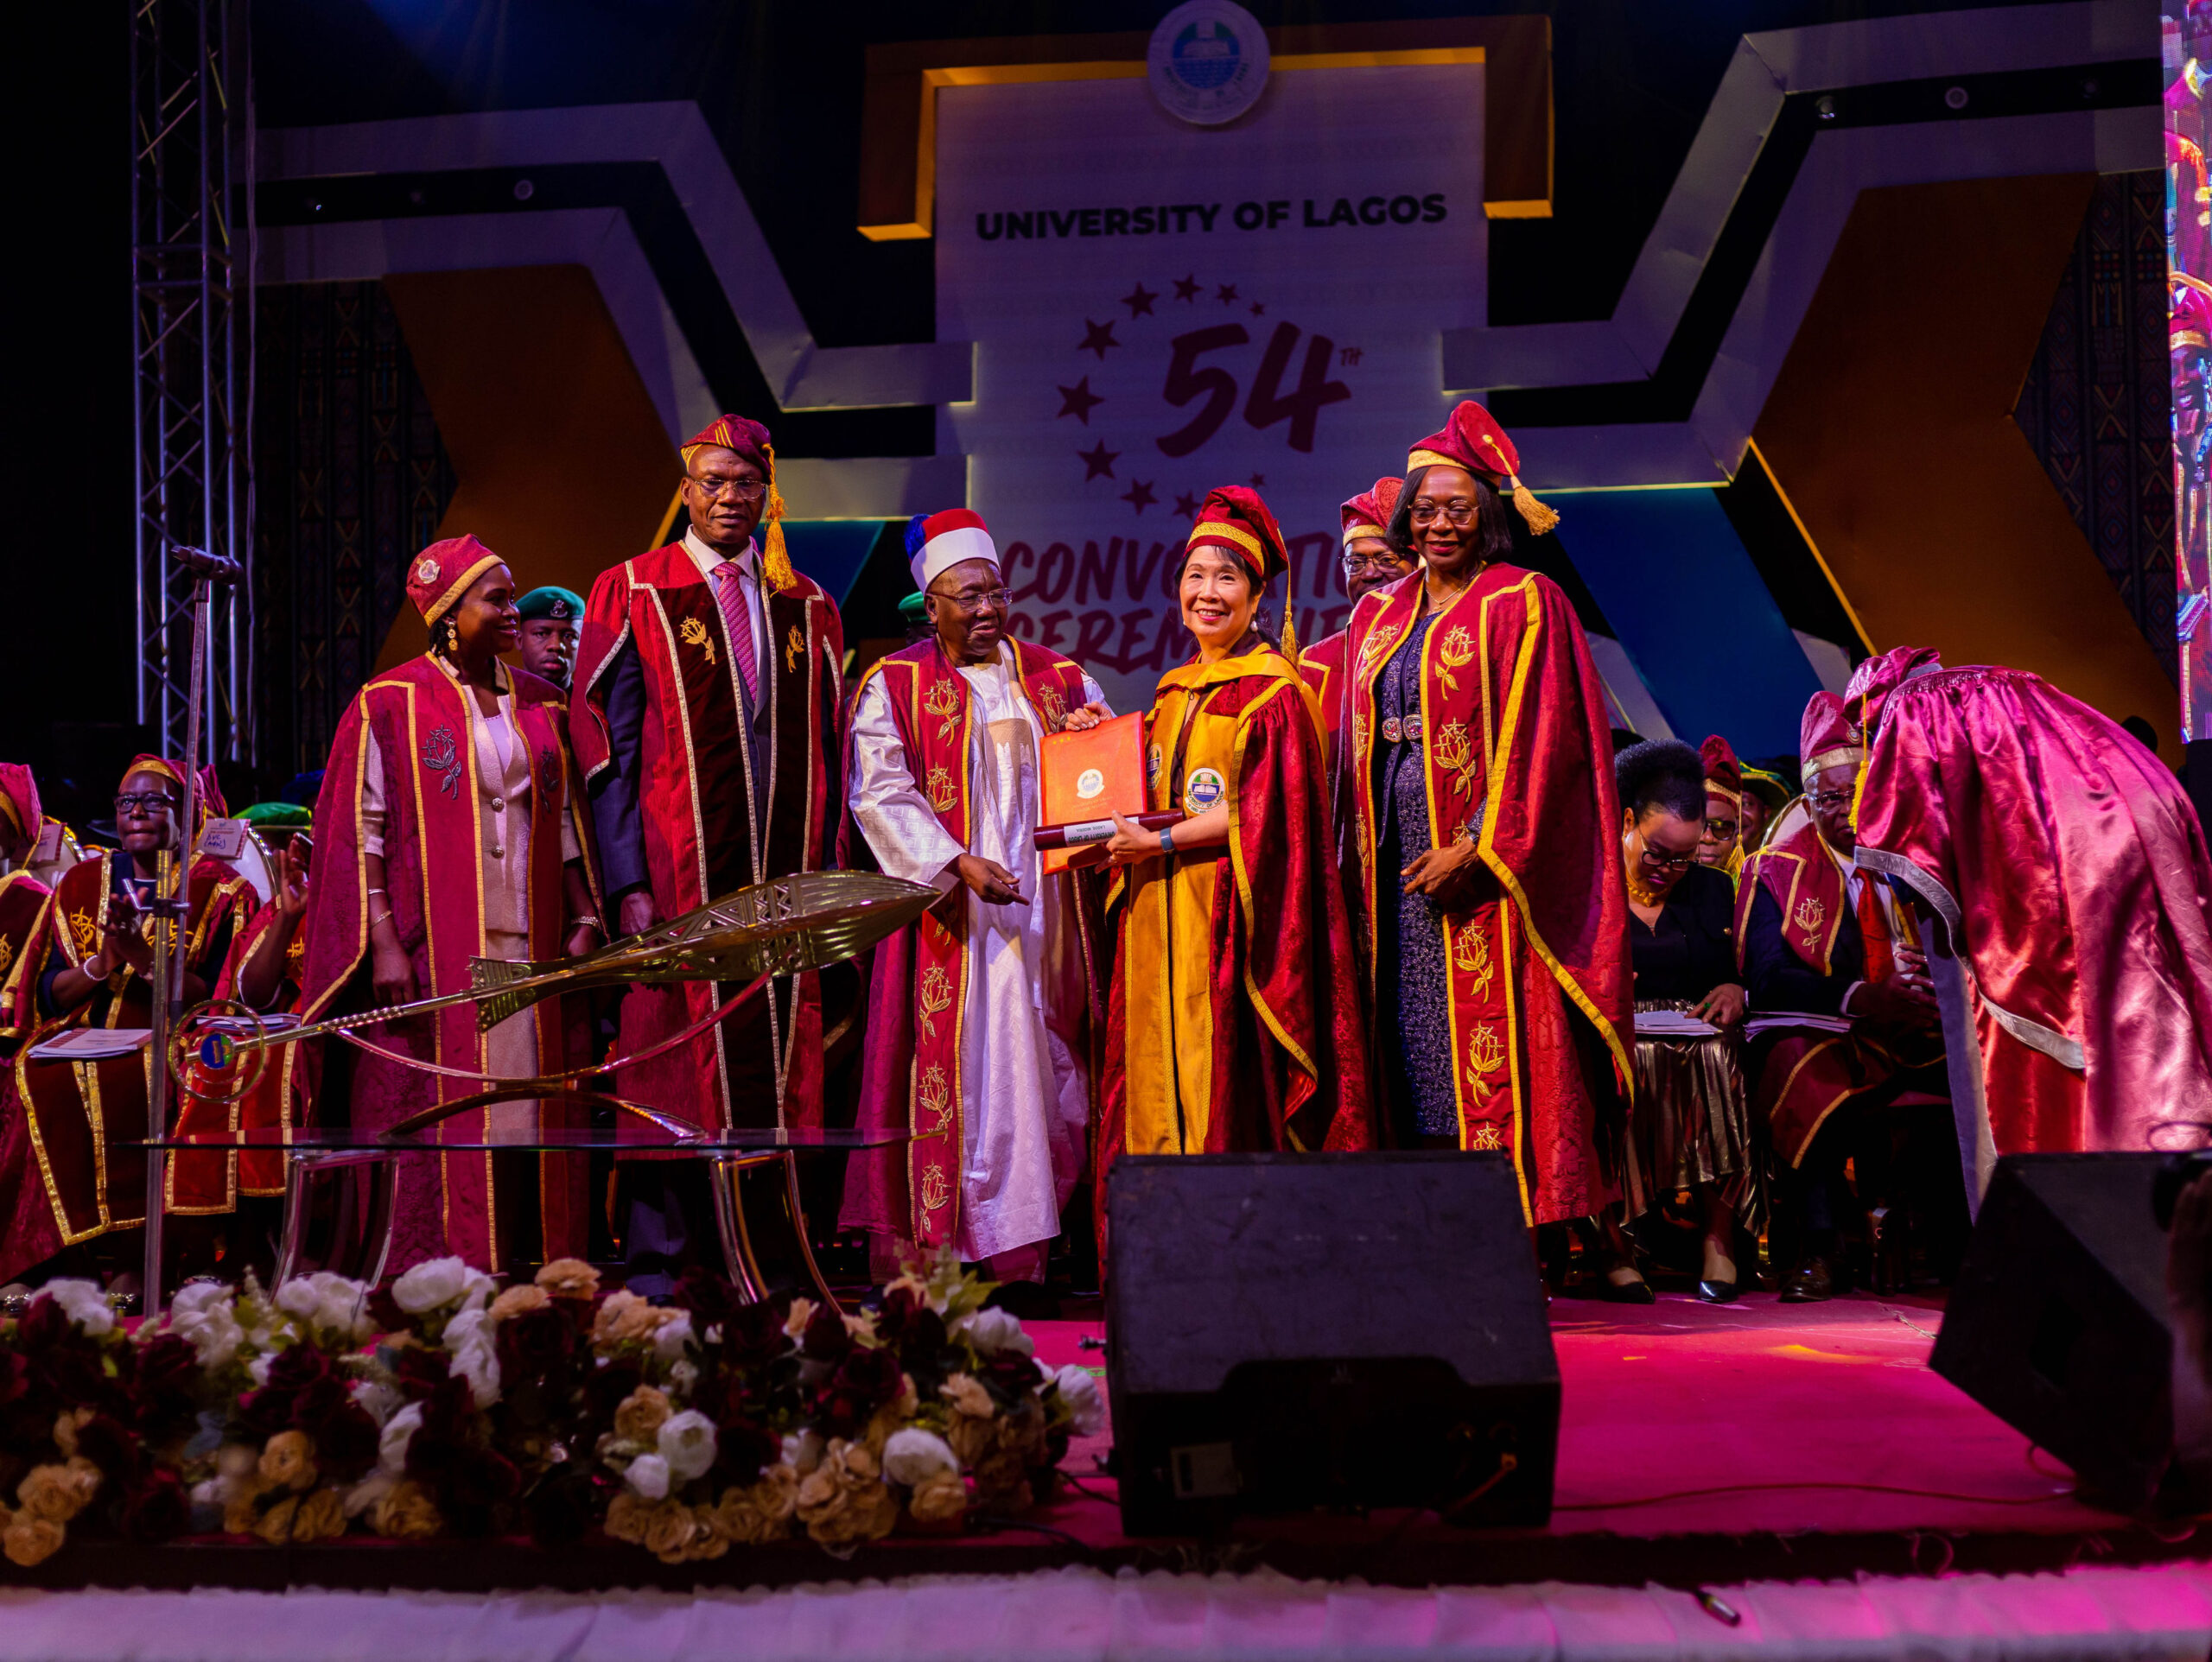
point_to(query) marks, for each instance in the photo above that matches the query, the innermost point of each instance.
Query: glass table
(340, 1182)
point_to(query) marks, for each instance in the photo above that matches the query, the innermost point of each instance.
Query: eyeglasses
(1829, 801)
(745, 490)
(148, 802)
(973, 600)
(1667, 862)
(1460, 512)
(1719, 830)
(1388, 564)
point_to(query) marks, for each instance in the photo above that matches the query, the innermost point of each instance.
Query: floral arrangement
(443, 1405)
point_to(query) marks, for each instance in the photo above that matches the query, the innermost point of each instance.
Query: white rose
(433, 1282)
(399, 1431)
(257, 1369)
(85, 1304)
(327, 1302)
(203, 1315)
(369, 1490)
(380, 1399)
(1078, 1388)
(803, 1451)
(437, 1282)
(648, 1474)
(992, 1330)
(914, 1456)
(672, 1336)
(681, 1379)
(687, 1444)
(475, 1359)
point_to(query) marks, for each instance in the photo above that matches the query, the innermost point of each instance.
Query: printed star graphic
(1139, 495)
(1226, 293)
(1187, 288)
(1098, 459)
(1258, 310)
(1097, 338)
(1139, 301)
(1259, 480)
(1079, 401)
(1186, 506)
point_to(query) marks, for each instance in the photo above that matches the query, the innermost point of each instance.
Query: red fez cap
(744, 436)
(1873, 682)
(19, 798)
(1722, 772)
(1473, 440)
(1825, 738)
(1369, 513)
(2190, 326)
(443, 572)
(1235, 518)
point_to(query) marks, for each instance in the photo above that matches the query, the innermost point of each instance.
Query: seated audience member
(1689, 1128)
(1814, 936)
(1766, 793)
(89, 964)
(31, 845)
(1722, 848)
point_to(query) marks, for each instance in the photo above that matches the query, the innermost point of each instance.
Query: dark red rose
(168, 1379)
(874, 1374)
(156, 1508)
(714, 1300)
(297, 1366)
(43, 1325)
(841, 1412)
(345, 1445)
(15, 1376)
(607, 1388)
(534, 1344)
(922, 1336)
(267, 1410)
(70, 1375)
(753, 1334)
(471, 1488)
(826, 1339)
(420, 1370)
(449, 1413)
(894, 1312)
(384, 1311)
(314, 1406)
(113, 1446)
(743, 1449)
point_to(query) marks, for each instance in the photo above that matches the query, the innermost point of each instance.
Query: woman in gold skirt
(1690, 1127)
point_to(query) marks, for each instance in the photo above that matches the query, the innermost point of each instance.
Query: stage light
(1955, 97)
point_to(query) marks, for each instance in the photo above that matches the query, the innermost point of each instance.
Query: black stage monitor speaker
(2058, 1324)
(1300, 1330)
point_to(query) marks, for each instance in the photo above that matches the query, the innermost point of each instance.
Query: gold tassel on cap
(776, 564)
(1540, 519)
(1289, 624)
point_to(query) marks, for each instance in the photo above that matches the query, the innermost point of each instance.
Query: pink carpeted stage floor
(1699, 1446)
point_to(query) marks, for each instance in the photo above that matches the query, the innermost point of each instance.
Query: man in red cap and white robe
(2065, 879)
(980, 1027)
(708, 689)
(1814, 936)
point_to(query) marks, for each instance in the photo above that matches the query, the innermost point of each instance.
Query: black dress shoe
(1637, 1292)
(1717, 1293)
(1814, 1280)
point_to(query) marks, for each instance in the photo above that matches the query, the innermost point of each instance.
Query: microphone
(218, 568)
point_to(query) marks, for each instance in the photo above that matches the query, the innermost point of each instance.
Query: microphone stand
(170, 912)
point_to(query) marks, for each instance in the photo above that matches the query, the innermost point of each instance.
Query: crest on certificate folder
(1087, 778)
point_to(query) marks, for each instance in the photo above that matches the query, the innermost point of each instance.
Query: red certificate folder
(1088, 777)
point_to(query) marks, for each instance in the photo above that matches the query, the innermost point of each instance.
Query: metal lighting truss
(192, 290)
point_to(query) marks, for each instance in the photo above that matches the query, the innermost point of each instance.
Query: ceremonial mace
(171, 910)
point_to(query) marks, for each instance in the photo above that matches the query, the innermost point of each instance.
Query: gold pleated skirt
(1691, 1123)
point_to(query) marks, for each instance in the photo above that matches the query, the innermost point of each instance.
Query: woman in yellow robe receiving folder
(1233, 1023)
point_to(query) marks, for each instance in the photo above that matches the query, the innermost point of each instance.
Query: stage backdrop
(1159, 308)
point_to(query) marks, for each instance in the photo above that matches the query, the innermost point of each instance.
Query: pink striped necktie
(737, 622)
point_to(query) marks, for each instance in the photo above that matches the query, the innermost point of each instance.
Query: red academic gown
(1518, 744)
(433, 875)
(22, 898)
(697, 785)
(912, 1078)
(211, 1181)
(81, 1118)
(2071, 871)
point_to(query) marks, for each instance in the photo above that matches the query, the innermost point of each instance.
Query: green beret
(278, 815)
(910, 609)
(559, 604)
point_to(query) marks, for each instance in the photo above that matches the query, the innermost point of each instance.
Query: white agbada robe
(1025, 1084)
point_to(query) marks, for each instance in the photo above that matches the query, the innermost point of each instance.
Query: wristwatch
(1166, 839)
